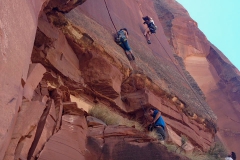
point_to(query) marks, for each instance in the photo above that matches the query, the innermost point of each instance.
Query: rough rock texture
(27, 121)
(35, 75)
(76, 64)
(69, 142)
(18, 25)
(92, 121)
(214, 73)
(62, 5)
(45, 130)
(157, 76)
(121, 142)
(177, 23)
(186, 146)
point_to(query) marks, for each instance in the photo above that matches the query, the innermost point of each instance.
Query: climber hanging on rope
(150, 29)
(158, 124)
(121, 39)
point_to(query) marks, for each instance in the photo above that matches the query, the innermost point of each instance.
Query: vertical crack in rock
(39, 130)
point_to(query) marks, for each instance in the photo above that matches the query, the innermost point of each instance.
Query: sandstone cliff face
(159, 76)
(213, 72)
(18, 25)
(75, 63)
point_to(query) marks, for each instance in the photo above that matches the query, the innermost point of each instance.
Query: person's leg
(122, 44)
(128, 50)
(129, 56)
(161, 133)
(133, 58)
(147, 35)
(126, 45)
(146, 31)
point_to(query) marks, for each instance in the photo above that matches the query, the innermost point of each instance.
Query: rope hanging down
(133, 67)
(169, 57)
(180, 72)
(110, 15)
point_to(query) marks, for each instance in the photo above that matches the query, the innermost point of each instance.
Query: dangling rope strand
(110, 15)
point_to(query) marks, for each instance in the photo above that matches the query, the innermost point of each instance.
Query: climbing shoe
(149, 42)
(133, 58)
(129, 57)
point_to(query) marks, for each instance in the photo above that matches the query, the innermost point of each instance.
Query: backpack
(152, 27)
(120, 34)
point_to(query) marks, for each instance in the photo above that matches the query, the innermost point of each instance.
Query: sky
(219, 20)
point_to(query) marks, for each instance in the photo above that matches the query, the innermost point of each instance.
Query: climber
(158, 123)
(151, 28)
(121, 39)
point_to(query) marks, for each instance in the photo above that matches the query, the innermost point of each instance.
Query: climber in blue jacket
(158, 123)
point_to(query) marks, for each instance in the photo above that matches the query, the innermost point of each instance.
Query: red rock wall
(121, 142)
(160, 50)
(225, 98)
(18, 25)
(165, 68)
(214, 73)
(181, 30)
(75, 54)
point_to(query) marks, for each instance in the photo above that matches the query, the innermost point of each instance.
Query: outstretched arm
(126, 34)
(157, 116)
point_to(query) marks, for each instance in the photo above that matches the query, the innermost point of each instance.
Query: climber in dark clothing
(158, 123)
(150, 29)
(122, 36)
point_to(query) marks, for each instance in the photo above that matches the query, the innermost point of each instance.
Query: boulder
(45, 130)
(187, 146)
(71, 108)
(35, 75)
(69, 142)
(92, 121)
(26, 124)
(63, 5)
(121, 142)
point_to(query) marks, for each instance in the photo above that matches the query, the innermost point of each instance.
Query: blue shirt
(159, 121)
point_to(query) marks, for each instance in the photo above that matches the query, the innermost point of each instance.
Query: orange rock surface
(60, 56)
(215, 74)
(18, 26)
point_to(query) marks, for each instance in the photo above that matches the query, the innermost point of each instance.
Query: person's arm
(157, 116)
(126, 34)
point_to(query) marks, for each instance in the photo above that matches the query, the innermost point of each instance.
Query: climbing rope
(134, 85)
(169, 57)
(110, 15)
(196, 95)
